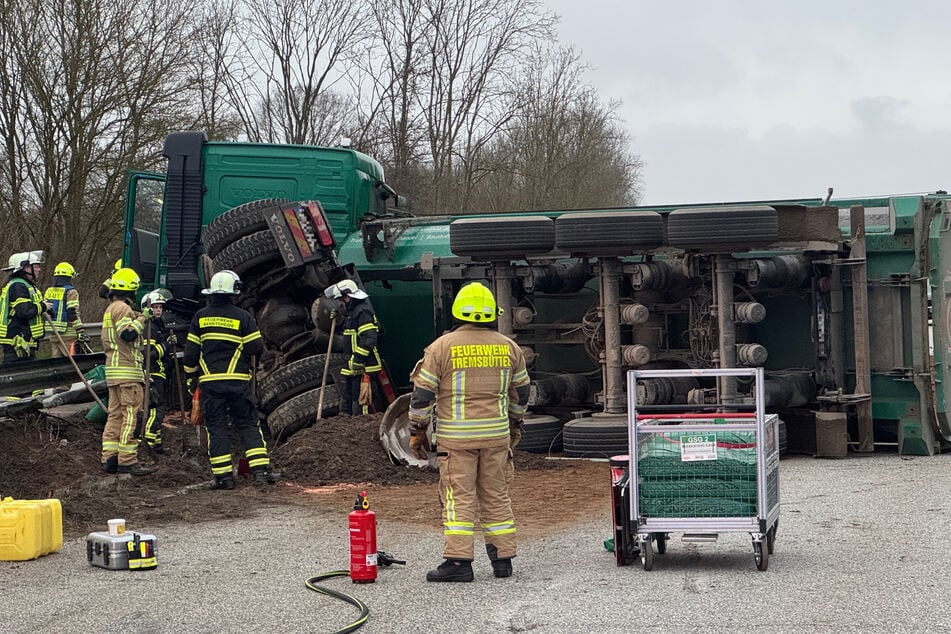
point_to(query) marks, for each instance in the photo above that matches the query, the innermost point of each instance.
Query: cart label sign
(698, 447)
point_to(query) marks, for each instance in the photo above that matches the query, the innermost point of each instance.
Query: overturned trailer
(838, 300)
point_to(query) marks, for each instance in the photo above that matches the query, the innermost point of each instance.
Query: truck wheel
(541, 434)
(248, 252)
(236, 223)
(511, 237)
(279, 320)
(596, 436)
(287, 381)
(614, 233)
(300, 412)
(722, 228)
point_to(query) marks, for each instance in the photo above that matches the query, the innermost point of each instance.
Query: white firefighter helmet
(152, 298)
(345, 288)
(18, 260)
(224, 283)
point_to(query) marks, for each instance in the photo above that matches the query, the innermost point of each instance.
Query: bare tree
(292, 51)
(215, 54)
(563, 149)
(472, 46)
(89, 89)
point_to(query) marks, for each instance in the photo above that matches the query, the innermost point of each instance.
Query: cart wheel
(770, 539)
(661, 539)
(647, 554)
(761, 556)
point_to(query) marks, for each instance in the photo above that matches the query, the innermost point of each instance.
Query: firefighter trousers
(153, 424)
(118, 437)
(474, 486)
(349, 391)
(221, 400)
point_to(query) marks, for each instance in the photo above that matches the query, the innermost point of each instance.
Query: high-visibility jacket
(123, 358)
(475, 373)
(21, 311)
(158, 334)
(221, 341)
(65, 300)
(362, 331)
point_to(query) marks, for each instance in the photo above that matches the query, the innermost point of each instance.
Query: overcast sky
(732, 100)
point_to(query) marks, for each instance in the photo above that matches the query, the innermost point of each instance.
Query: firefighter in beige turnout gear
(475, 379)
(122, 330)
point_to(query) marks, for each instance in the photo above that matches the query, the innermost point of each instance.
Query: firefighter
(64, 307)
(475, 380)
(104, 287)
(122, 330)
(222, 339)
(361, 332)
(161, 344)
(22, 308)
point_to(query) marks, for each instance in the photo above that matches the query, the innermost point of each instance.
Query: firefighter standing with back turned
(476, 380)
(222, 339)
(122, 330)
(361, 332)
(64, 300)
(21, 308)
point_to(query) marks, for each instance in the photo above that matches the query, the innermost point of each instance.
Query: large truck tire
(238, 222)
(610, 233)
(722, 228)
(295, 378)
(511, 237)
(596, 436)
(541, 434)
(280, 320)
(300, 412)
(248, 252)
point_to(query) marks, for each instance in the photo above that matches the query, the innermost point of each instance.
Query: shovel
(323, 381)
(79, 373)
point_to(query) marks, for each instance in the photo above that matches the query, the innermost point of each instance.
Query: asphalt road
(863, 546)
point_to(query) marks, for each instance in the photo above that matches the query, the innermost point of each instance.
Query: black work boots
(224, 482)
(134, 469)
(265, 476)
(452, 570)
(111, 465)
(502, 568)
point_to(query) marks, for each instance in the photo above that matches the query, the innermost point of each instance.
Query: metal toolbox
(129, 551)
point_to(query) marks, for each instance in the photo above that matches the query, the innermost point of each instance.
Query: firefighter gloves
(419, 443)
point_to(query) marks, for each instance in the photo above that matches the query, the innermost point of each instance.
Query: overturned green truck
(843, 302)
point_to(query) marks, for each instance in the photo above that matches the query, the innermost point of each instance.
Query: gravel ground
(862, 546)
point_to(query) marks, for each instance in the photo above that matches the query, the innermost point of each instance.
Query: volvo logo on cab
(279, 229)
(257, 194)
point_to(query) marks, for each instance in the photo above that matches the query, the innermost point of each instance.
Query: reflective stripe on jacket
(221, 341)
(123, 358)
(362, 332)
(65, 300)
(21, 311)
(474, 373)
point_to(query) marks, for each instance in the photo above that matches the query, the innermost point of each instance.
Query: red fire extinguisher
(363, 555)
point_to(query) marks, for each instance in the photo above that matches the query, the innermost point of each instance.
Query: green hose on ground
(357, 603)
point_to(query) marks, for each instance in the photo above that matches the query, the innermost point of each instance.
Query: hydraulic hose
(357, 603)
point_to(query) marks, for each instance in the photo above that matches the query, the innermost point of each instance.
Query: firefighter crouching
(476, 380)
(222, 339)
(22, 308)
(64, 308)
(122, 330)
(361, 332)
(161, 344)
